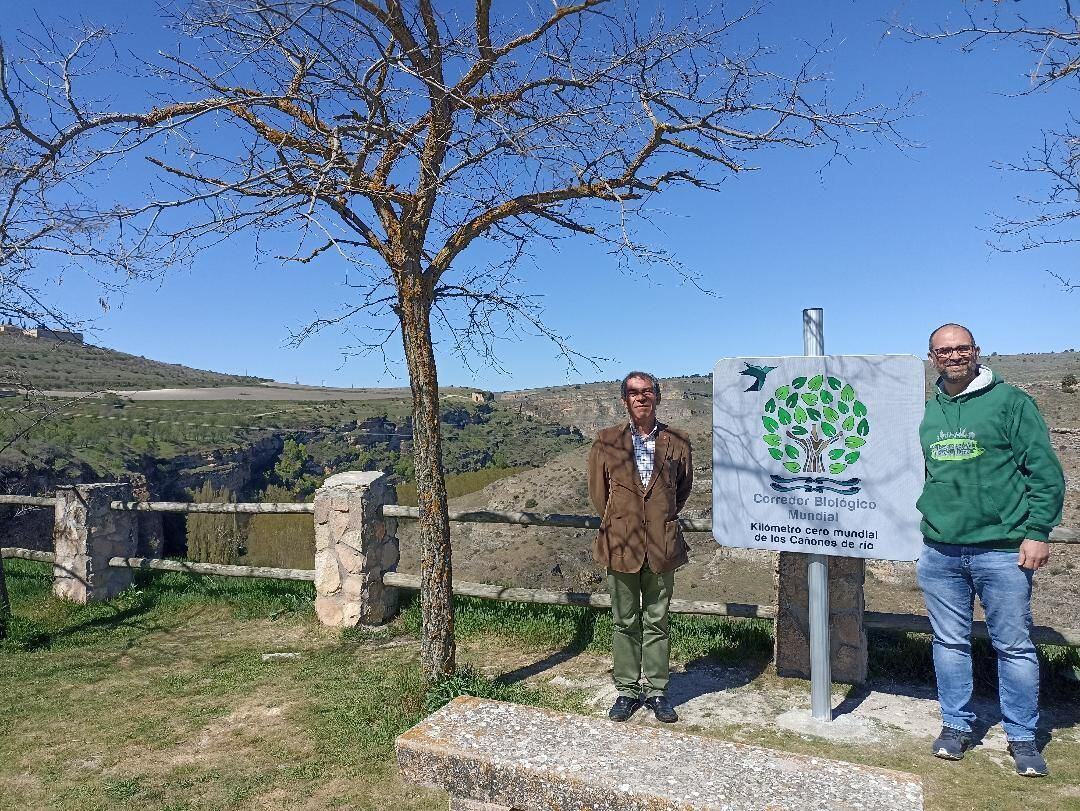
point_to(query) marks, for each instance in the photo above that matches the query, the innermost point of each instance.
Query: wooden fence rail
(27, 554)
(29, 501)
(273, 507)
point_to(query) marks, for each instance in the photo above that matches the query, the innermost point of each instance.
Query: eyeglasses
(963, 350)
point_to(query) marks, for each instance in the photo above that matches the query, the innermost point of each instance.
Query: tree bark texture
(5, 603)
(437, 651)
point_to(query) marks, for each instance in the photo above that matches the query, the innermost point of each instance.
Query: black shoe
(951, 744)
(623, 708)
(662, 709)
(1029, 762)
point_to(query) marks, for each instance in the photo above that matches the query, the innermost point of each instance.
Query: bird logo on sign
(758, 373)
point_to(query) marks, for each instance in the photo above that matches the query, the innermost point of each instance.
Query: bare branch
(1050, 216)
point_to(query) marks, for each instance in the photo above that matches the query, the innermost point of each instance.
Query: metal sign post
(817, 572)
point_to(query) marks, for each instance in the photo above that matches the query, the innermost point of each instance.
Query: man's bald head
(971, 338)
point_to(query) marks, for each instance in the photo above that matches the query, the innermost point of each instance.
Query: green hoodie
(991, 475)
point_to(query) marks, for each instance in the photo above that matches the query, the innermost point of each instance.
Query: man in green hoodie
(994, 490)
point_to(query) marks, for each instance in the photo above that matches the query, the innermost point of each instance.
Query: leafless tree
(1050, 32)
(388, 137)
(45, 219)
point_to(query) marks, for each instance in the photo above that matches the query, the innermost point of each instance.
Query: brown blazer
(638, 523)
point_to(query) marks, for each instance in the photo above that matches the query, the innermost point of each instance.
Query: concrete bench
(492, 756)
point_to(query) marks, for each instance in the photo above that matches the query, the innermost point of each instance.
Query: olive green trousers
(640, 646)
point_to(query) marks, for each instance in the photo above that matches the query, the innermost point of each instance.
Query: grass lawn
(162, 699)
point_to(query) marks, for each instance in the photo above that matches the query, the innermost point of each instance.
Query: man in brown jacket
(640, 475)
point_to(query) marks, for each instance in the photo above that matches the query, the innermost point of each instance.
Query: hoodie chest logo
(956, 449)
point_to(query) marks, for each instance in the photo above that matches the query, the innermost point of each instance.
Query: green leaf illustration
(791, 451)
(826, 396)
(784, 416)
(770, 424)
(858, 408)
(815, 415)
(854, 442)
(839, 467)
(776, 454)
(852, 457)
(849, 423)
(798, 430)
(798, 382)
(842, 408)
(828, 429)
(834, 384)
(847, 393)
(800, 414)
(794, 467)
(836, 453)
(771, 439)
(863, 428)
(830, 414)
(770, 406)
(809, 399)
(783, 392)
(792, 400)
(815, 382)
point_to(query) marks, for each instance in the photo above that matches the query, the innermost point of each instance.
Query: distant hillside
(1034, 367)
(687, 401)
(56, 365)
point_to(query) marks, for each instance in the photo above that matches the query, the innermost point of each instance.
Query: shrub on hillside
(1068, 383)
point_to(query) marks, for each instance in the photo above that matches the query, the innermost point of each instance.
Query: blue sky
(890, 243)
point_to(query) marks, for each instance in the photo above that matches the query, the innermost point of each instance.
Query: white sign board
(819, 454)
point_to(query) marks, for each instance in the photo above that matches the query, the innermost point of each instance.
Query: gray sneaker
(951, 744)
(1029, 762)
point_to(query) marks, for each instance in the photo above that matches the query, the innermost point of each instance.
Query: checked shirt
(644, 452)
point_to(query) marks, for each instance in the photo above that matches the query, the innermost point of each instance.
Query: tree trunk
(814, 449)
(5, 604)
(436, 581)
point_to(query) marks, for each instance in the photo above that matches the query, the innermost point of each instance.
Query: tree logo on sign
(816, 427)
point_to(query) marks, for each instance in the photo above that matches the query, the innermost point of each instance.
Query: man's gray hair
(645, 375)
(930, 343)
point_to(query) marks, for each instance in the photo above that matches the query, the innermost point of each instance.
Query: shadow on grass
(106, 618)
(572, 630)
(584, 633)
(42, 621)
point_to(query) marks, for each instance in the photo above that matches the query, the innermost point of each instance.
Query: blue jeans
(950, 576)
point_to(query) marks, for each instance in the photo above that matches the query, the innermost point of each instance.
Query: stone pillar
(354, 547)
(847, 604)
(86, 534)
